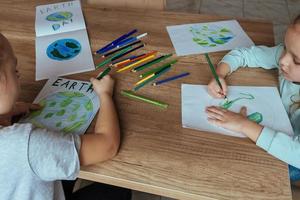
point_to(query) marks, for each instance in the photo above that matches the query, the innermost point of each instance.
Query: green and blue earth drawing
(63, 49)
(256, 116)
(211, 35)
(63, 17)
(69, 112)
(59, 16)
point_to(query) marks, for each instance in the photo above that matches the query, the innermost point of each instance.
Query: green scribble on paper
(63, 111)
(256, 116)
(210, 35)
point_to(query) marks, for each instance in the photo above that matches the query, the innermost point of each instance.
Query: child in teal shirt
(286, 58)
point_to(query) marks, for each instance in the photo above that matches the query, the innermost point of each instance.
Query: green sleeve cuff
(265, 138)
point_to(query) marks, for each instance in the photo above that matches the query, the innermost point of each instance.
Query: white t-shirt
(33, 160)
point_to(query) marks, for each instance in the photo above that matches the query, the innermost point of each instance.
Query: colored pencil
(156, 75)
(131, 61)
(157, 68)
(108, 60)
(144, 79)
(101, 75)
(132, 95)
(103, 49)
(136, 63)
(119, 49)
(127, 52)
(150, 63)
(131, 39)
(125, 42)
(123, 59)
(171, 78)
(212, 68)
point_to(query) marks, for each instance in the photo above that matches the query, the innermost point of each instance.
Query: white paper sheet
(208, 37)
(62, 44)
(266, 101)
(69, 106)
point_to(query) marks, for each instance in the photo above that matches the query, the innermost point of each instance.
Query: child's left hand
(227, 119)
(22, 108)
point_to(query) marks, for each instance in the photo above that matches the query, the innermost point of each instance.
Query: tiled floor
(280, 12)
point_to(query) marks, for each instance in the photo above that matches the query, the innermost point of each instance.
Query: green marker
(214, 72)
(108, 60)
(101, 75)
(150, 63)
(132, 95)
(157, 69)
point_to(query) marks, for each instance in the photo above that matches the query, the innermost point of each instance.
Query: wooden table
(157, 155)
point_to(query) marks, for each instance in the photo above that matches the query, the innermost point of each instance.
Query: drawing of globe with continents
(70, 112)
(63, 49)
(59, 16)
(211, 35)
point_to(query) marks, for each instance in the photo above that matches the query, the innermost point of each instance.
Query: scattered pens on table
(127, 52)
(133, 95)
(156, 75)
(157, 68)
(171, 78)
(121, 48)
(124, 42)
(150, 63)
(212, 68)
(113, 43)
(101, 75)
(108, 60)
(131, 39)
(136, 63)
(131, 61)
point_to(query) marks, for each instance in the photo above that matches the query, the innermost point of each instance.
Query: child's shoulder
(16, 128)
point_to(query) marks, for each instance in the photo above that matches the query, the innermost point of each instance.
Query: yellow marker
(144, 79)
(136, 63)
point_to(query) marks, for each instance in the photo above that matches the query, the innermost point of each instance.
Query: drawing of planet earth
(69, 112)
(211, 35)
(59, 16)
(63, 49)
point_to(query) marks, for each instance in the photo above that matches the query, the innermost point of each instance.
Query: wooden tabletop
(157, 155)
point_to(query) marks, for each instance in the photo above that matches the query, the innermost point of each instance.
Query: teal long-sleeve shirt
(278, 144)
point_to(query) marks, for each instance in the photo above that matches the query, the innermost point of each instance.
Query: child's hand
(22, 108)
(103, 86)
(227, 119)
(214, 89)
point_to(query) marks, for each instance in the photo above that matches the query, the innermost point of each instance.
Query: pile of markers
(113, 54)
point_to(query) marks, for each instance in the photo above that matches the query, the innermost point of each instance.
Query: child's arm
(104, 143)
(255, 56)
(276, 143)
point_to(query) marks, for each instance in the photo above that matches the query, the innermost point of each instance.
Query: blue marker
(113, 43)
(171, 78)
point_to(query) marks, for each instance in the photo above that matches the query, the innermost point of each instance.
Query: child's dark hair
(297, 20)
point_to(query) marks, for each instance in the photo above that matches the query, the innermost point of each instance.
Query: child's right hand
(103, 86)
(214, 89)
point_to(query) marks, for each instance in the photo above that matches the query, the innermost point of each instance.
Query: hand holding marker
(101, 75)
(214, 73)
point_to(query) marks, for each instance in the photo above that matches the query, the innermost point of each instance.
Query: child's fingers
(243, 111)
(34, 107)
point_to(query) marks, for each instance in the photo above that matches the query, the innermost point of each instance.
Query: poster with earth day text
(68, 106)
(62, 43)
(200, 38)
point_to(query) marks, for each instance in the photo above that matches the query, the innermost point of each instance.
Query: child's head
(290, 60)
(9, 84)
